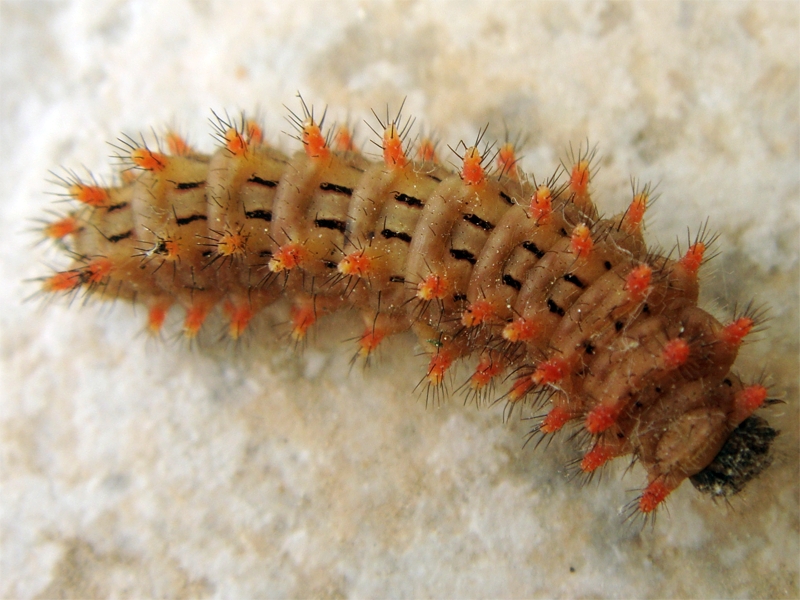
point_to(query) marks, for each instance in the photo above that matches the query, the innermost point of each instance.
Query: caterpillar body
(571, 308)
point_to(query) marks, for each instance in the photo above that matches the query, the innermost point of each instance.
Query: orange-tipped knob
(488, 368)
(235, 142)
(507, 161)
(369, 341)
(287, 258)
(472, 171)
(520, 330)
(748, 400)
(601, 418)
(520, 389)
(60, 229)
(303, 317)
(93, 195)
(675, 354)
(579, 179)
(232, 244)
(356, 263)
(555, 420)
(596, 458)
(97, 270)
(541, 204)
(253, 132)
(550, 371)
(653, 495)
(637, 283)
(635, 213)
(148, 160)
(177, 145)
(195, 317)
(394, 156)
(343, 140)
(240, 316)
(440, 362)
(427, 151)
(156, 317)
(581, 243)
(63, 281)
(313, 140)
(693, 258)
(433, 287)
(477, 313)
(735, 332)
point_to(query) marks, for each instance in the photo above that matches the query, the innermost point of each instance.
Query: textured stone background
(132, 467)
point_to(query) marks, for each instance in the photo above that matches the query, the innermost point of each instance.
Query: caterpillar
(572, 309)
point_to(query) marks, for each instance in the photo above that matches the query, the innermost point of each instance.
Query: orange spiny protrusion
(313, 140)
(343, 140)
(507, 161)
(542, 204)
(579, 179)
(97, 270)
(693, 258)
(369, 341)
(427, 151)
(601, 418)
(253, 131)
(146, 159)
(520, 330)
(596, 458)
(472, 171)
(635, 213)
(235, 142)
(356, 263)
(581, 243)
(520, 389)
(195, 317)
(735, 332)
(675, 353)
(58, 230)
(239, 317)
(433, 287)
(477, 313)
(177, 145)
(232, 244)
(653, 495)
(93, 195)
(637, 283)
(394, 156)
(156, 316)
(488, 368)
(440, 362)
(288, 257)
(555, 420)
(550, 371)
(748, 400)
(303, 317)
(63, 281)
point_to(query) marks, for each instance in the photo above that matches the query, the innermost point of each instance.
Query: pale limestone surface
(135, 468)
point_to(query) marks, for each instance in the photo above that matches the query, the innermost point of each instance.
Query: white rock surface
(134, 468)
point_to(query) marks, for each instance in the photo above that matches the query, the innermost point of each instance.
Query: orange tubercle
(148, 160)
(433, 287)
(440, 362)
(735, 332)
(195, 317)
(550, 371)
(542, 204)
(693, 258)
(303, 317)
(637, 283)
(232, 244)
(343, 140)
(369, 341)
(675, 353)
(60, 229)
(394, 156)
(287, 258)
(356, 263)
(750, 399)
(521, 387)
(253, 131)
(507, 161)
(601, 418)
(235, 142)
(156, 317)
(555, 420)
(177, 145)
(596, 458)
(93, 195)
(427, 151)
(477, 313)
(472, 171)
(635, 214)
(97, 270)
(63, 281)
(240, 316)
(314, 141)
(520, 330)
(579, 179)
(488, 368)
(653, 495)
(581, 243)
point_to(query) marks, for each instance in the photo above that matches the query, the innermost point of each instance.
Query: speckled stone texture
(140, 468)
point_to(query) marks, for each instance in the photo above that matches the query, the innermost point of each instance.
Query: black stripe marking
(119, 237)
(265, 254)
(476, 220)
(511, 282)
(114, 207)
(573, 279)
(397, 279)
(265, 182)
(206, 254)
(259, 213)
(331, 224)
(533, 248)
(459, 297)
(588, 347)
(190, 219)
(463, 255)
(327, 186)
(189, 185)
(555, 308)
(619, 325)
(563, 232)
(329, 264)
(507, 198)
(410, 200)
(608, 265)
(400, 235)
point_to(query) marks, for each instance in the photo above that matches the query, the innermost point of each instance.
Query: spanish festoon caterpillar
(571, 308)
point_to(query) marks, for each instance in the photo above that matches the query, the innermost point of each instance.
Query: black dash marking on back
(189, 185)
(114, 207)
(574, 280)
(459, 297)
(329, 264)
(119, 237)
(400, 235)
(476, 220)
(397, 279)
(409, 200)
(608, 265)
(259, 213)
(265, 254)
(207, 254)
(331, 224)
(646, 309)
(555, 308)
(507, 198)
(190, 219)
(531, 247)
(588, 347)
(463, 255)
(327, 186)
(265, 182)
(563, 232)
(435, 178)
(619, 325)
(511, 282)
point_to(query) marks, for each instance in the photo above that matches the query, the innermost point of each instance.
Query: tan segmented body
(528, 277)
